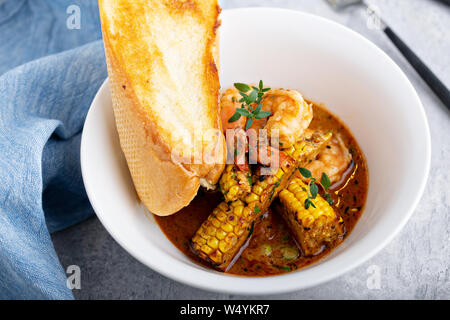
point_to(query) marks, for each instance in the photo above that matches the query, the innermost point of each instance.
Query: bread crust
(163, 183)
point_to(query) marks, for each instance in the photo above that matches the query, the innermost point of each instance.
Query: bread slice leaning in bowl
(163, 74)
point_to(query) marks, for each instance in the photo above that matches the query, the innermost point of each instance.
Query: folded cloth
(43, 105)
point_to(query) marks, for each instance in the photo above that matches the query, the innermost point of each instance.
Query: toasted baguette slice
(161, 58)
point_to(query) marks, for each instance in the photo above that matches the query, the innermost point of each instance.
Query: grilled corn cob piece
(224, 232)
(234, 183)
(309, 146)
(313, 228)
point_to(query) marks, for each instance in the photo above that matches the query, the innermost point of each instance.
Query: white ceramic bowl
(328, 63)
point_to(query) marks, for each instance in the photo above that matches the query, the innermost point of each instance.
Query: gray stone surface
(415, 265)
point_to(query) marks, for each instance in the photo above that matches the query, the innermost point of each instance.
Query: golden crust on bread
(164, 84)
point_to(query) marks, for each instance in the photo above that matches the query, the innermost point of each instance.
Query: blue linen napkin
(43, 105)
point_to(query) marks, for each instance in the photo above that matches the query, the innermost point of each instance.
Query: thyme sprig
(325, 183)
(254, 97)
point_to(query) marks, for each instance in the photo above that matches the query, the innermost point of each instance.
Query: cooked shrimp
(333, 160)
(237, 148)
(291, 115)
(228, 105)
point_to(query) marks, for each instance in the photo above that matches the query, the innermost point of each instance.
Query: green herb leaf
(249, 179)
(253, 96)
(257, 110)
(245, 98)
(249, 123)
(282, 267)
(260, 95)
(241, 87)
(235, 117)
(314, 189)
(305, 172)
(257, 209)
(251, 229)
(307, 203)
(325, 181)
(243, 112)
(262, 114)
(272, 192)
(329, 200)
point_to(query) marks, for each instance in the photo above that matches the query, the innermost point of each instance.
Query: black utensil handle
(447, 2)
(427, 75)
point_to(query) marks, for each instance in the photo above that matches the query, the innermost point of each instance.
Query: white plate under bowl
(328, 63)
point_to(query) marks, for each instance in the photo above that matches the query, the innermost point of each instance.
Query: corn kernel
(216, 223)
(202, 232)
(246, 212)
(308, 221)
(263, 184)
(221, 216)
(279, 174)
(237, 203)
(257, 190)
(289, 150)
(227, 227)
(234, 190)
(297, 154)
(199, 241)
(220, 234)
(211, 231)
(233, 220)
(206, 249)
(224, 246)
(293, 187)
(231, 239)
(301, 196)
(216, 256)
(252, 197)
(213, 242)
(228, 185)
(238, 210)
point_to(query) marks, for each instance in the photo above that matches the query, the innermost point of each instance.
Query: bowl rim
(262, 285)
